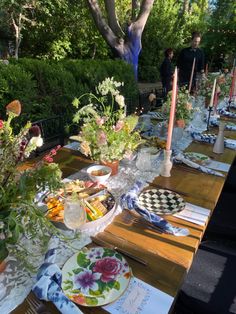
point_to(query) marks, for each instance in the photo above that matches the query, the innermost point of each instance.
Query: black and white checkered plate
(161, 202)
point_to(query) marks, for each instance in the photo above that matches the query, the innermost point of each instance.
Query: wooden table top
(169, 257)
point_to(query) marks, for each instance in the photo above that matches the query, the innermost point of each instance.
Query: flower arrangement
(19, 214)
(184, 110)
(107, 134)
(222, 87)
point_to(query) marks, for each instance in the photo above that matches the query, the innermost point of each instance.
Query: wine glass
(74, 213)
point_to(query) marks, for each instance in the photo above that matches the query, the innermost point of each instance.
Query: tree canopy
(58, 29)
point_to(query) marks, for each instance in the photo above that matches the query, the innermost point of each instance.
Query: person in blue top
(185, 61)
(166, 71)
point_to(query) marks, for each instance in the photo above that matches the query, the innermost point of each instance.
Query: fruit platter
(99, 204)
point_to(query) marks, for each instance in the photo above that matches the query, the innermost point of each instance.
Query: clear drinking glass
(74, 213)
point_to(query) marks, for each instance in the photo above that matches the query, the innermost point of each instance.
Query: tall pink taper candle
(206, 70)
(172, 111)
(191, 77)
(213, 94)
(232, 91)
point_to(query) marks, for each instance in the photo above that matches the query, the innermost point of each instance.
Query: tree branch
(112, 18)
(144, 12)
(101, 24)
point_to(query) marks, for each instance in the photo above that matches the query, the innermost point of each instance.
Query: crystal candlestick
(166, 164)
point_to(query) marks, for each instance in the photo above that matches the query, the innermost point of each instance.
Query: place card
(193, 213)
(141, 298)
(217, 165)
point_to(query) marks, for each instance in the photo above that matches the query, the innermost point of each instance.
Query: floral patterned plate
(200, 159)
(95, 277)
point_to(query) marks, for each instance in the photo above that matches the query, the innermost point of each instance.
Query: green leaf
(117, 255)
(101, 286)
(91, 301)
(108, 252)
(91, 266)
(116, 285)
(77, 270)
(82, 260)
(68, 287)
(75, 291)
(95, 293)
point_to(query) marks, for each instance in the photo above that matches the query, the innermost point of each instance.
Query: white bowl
(99, 178)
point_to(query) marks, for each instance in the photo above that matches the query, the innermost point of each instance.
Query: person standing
(166, 71)
(186, 58)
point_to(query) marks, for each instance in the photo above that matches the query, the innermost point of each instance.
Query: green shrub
(47, 88)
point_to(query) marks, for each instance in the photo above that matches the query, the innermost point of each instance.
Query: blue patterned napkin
(211, 138)
(181, 159)
(226, 113)
(215, 122)
(48, 286)
(129, 201)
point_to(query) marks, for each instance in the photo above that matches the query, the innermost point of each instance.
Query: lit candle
(206, 71)
(213, 94)
(172, 111)
(232, 88)
(191, 77)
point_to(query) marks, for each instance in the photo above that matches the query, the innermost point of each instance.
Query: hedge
(47, 88)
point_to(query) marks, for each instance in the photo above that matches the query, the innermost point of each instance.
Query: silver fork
(36, 305)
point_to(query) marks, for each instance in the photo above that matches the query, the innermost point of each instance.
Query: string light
(222, 31)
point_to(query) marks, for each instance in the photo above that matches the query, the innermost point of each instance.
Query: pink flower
(100, 121)
(119, 125)
(109, 267)
(1, 124)
(48, 159)
(102, 138)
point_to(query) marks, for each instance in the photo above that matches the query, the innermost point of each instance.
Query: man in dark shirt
(166, 71)
(185, 61)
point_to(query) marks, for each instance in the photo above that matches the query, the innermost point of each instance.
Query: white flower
(120, 100)
(36, 141)
(2, 236)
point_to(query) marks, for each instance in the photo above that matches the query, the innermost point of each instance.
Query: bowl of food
(98, 203)
(99, 173)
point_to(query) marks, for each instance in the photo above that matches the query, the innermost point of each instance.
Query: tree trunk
(129, 50)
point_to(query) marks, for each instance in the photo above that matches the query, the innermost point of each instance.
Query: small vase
(114, 165)
(218, 147)
(180, 123)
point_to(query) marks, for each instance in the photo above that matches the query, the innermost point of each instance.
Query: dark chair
(210, 286)
(52, 132)
(223, 219)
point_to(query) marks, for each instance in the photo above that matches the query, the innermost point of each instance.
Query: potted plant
(19, 215)
(183, 111)
(107, 135)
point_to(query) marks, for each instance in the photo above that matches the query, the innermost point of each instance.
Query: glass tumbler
(74, 214)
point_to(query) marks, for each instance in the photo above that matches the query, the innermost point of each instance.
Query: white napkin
(193, 213)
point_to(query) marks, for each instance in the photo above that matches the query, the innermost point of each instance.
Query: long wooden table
(169, 257)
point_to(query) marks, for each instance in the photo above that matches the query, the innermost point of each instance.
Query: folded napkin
(226, 113)
(181, 159)
(48, 285)
(229, 127)
(156, 114)
(129, 201)
(211, 138)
